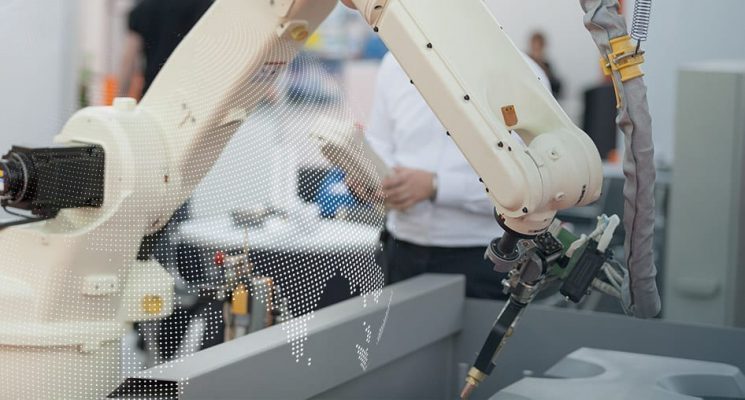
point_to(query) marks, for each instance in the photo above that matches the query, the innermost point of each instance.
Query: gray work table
(431, 335)
(279, 234)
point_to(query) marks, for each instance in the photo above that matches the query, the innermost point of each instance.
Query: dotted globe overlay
(71, 342)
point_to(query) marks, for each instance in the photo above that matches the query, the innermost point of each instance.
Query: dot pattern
(62, 332)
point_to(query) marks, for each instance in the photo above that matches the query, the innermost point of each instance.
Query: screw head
(299, 33)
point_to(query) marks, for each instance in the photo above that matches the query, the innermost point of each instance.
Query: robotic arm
(477, 83)
(136, 163)
(69, 284)
(480, 95)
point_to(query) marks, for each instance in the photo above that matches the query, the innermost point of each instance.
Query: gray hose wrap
(640, 295)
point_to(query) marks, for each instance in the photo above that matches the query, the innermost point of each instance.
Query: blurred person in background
(156, 27)
(537, 52)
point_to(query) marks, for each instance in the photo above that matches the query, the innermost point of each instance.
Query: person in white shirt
(440, 219)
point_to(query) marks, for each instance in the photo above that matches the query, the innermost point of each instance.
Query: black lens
(12, 178)
(4, 179)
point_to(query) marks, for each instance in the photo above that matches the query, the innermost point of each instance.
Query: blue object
(374, 49)
(333, 194)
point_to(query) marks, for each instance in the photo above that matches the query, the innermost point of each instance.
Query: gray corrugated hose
(640, 296)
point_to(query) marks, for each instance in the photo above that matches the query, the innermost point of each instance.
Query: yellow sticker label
(152, 304)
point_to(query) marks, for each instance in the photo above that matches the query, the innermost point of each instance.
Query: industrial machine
(70, 283)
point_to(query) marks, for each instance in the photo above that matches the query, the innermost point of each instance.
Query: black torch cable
(498, 335)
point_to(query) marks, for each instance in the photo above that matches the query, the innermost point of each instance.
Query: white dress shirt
(405, 132)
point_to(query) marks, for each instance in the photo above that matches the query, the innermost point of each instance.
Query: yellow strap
(624, 59)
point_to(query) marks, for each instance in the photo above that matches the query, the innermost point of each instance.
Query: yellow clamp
(624, 59)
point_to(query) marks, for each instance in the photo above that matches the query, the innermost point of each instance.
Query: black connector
(548, 245)
(586, 269)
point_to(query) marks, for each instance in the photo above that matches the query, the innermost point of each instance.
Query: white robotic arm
(480, 87)
(68, 284)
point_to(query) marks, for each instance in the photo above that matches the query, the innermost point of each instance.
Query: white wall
(571, 51)
(37, 70)
(682, 32)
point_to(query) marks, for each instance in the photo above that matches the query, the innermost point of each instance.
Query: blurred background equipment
(707, 203)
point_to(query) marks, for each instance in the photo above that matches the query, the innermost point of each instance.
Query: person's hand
(363, 192)
(407, 187)
(349, 4)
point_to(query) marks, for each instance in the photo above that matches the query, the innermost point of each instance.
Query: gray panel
(423, 311)
(590, 374)
(425, 374)
(704, 263)
(430, 332)
(546, 335)
(739, 228)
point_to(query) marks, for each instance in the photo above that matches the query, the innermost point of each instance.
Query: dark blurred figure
(538, 53)
(156, 27)
(599, 121)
